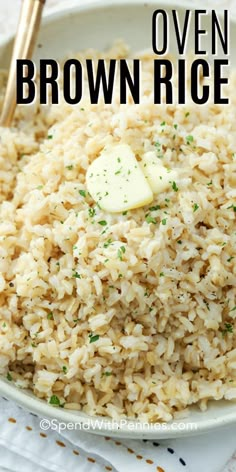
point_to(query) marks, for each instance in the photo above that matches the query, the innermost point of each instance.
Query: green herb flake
(70, 167)
(163, 123)
(233, 207)
(120, 252)
(64, 368)
(164, 221)
(157, 144)
(4, 325)
(149, 219)
(175, 126)
(174, 186)
(234, 308)
(93, 338)
(189, 139)
(230, 258)
(179, 241)
(50, 316)
(161, 274)
(124, 213)
(76, 275)
(195, 207)
(82, 193)
(9, 377)
(187, 114)
(107, 243)
(54, 400)
(154, 208)
(209, 183)
(50, 136)
(92, 212)
(102, 223)
(106, 374)
(228, 329)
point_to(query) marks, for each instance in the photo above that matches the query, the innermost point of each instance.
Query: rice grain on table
(144, 335)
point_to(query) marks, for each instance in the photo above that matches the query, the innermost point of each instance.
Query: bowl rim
(95, 424)
(70, 7)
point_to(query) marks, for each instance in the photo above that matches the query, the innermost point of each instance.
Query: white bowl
(98, 25)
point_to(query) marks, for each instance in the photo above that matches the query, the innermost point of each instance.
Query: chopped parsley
(195, 207)
(70, 167)
(157, 144)
(50, 136)
(120, 252)
(102, 223)
(92, 212)
(189, 139)
(233, 207)
(50, 316)
(76, 275)
(154, 208)
(164, 221)
(64, 368)
(106, 374)
(163, 123)
(107, 243)
(9, 377)
(93, 338)
(175, 126)
(230, 258)
(209, 183)
(174, 186)
(54, 400)
(161, 274)
(179, 241)
(187, 114)
(228, 329)
(82, 193)
(150, 219)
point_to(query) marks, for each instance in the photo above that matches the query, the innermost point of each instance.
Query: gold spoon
(27, 30)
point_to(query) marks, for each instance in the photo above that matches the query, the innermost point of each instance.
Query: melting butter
(116, 182)
(159, 177)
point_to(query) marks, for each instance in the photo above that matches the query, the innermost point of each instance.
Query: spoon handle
(28, 26)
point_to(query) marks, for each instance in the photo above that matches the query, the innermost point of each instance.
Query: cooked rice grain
(151, 333)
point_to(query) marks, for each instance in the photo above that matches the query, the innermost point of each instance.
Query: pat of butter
(116, 182)
(159, 177)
